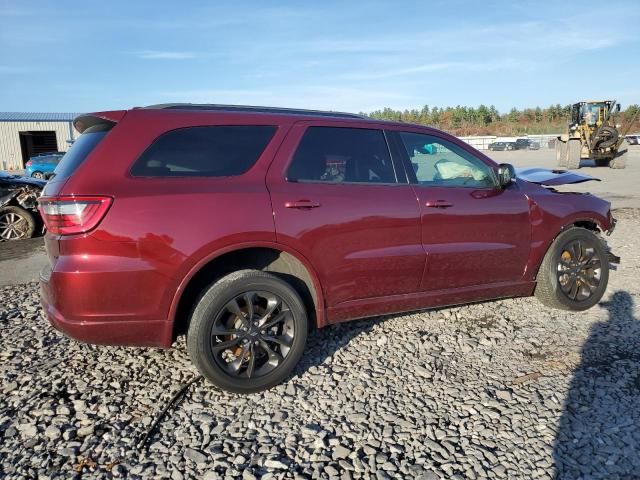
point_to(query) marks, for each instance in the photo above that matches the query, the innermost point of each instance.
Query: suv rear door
(340, 201)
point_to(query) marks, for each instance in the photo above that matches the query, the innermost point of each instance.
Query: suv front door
(340, 201)
(474, 232)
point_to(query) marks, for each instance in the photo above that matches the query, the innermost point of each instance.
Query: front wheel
(574, 272)
(16, 223)
(620, 159)
(38, 175)
(561, 153)
(573, 154)
(247, 332)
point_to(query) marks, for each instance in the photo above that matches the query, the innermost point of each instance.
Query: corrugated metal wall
(10, 153)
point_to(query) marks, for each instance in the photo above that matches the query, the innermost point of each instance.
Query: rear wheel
(620, 160)
(573, 154)
(39, 175)
(574, 272)
(561, 153)
(16, 223)
(247, 332)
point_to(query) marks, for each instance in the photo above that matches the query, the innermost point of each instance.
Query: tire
(602, 162)
(243, 345)
(573, 154)
(620, 160)
(509, 147)
(551, 292)
(561, 153)
(16, 223)
(607, 137)
(38, 175)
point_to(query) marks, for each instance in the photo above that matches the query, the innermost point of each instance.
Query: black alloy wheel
(252, 334)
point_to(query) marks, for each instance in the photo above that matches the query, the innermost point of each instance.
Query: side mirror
(618, 107)
(506, 174)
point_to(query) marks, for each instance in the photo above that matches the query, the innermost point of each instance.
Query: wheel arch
(275, 258)
(588, 223)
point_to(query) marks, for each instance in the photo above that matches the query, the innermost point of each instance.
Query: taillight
(28, 164)
(71, 215)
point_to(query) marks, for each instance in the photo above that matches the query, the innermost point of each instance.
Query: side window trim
(400, 157)
(413, 179)
(393, 163)
(397, 172)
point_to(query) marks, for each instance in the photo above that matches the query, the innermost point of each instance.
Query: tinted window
(439, 162)
(329, 154)
(81, 149)
(204, 151)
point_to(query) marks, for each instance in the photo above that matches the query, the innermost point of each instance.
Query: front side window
(438, 162)
(342, 155)
(216, 151)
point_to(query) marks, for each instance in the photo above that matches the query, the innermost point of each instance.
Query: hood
(544, 176)
(18, 180)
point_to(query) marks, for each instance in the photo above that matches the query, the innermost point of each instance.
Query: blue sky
(351, 56)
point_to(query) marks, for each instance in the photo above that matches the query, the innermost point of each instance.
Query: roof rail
(250, 109)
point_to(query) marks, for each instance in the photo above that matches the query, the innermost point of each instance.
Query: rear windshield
(215, 151)
(80, 150)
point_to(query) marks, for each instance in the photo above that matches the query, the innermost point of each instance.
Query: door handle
(438, 204)
(302, 204)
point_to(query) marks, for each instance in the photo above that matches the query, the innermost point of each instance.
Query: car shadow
(599, 434)
(325, 342)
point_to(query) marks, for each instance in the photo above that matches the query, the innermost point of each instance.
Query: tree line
(486, 120)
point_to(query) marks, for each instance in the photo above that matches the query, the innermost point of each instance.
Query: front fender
(7, 198)
(554, 212)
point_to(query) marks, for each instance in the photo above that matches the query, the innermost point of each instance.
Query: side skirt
(369, 307)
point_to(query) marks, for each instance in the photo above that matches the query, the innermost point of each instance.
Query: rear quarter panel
(158, 229)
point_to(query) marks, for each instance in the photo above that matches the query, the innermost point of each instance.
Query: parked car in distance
(19, 216)
(633, 139)
(46, 154)
(500, 146)
(42, 166)
(526, 144)
(244, 227)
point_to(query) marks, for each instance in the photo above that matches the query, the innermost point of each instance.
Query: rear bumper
(96, 329)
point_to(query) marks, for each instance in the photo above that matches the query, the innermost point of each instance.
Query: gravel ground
(505, 389)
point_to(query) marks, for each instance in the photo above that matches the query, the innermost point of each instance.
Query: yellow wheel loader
(592, 134)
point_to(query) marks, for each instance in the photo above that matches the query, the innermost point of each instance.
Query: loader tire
(620, 160)
(573, 154)
(561, 153)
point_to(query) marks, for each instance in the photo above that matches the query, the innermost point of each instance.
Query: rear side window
(217, 151)
(81, 149)
(342, 155)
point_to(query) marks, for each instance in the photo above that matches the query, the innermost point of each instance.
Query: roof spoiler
(87, 120)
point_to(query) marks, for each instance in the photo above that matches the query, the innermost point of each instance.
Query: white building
(23, 135)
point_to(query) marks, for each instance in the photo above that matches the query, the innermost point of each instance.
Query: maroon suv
(242, 227)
